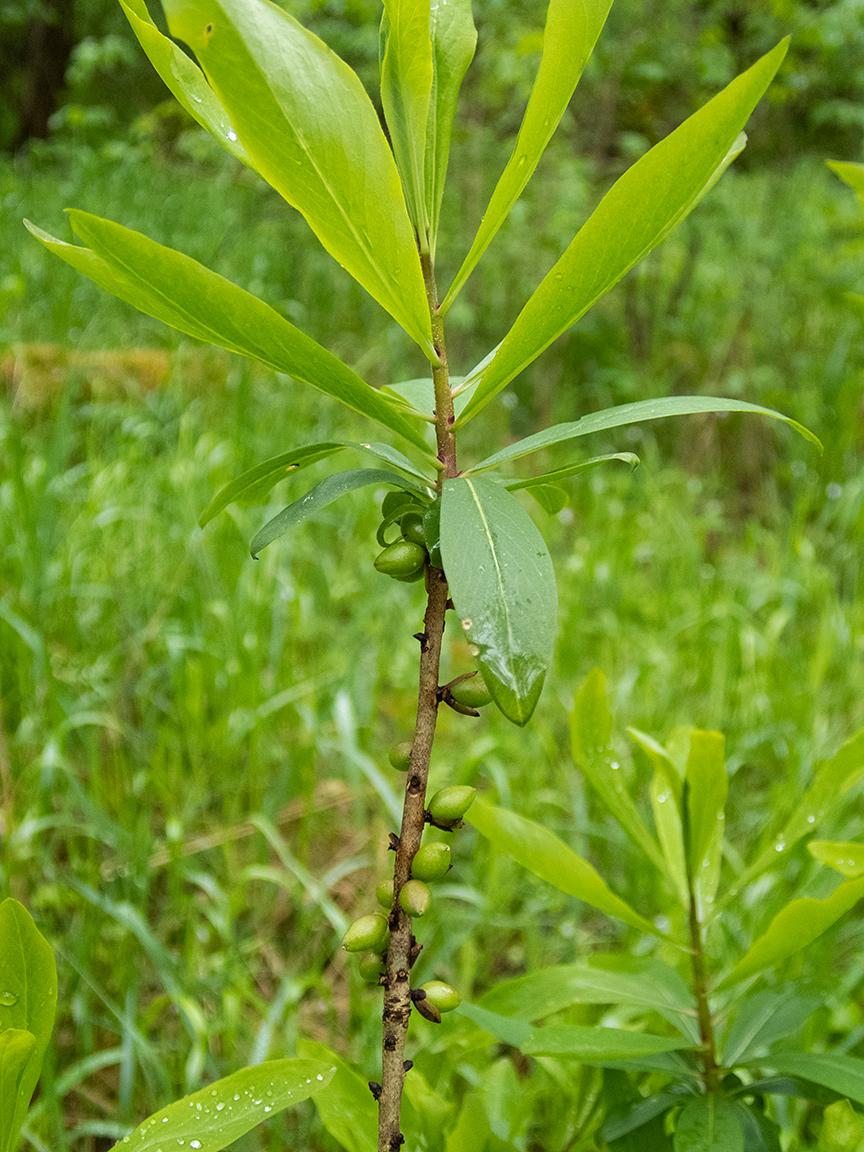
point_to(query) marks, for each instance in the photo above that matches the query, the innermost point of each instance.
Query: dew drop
(7, 999)
(780, 845)
(614, 765)
(232, 135)
(268, 1107)
(194, 1143)
(220, 1105)
(663, 797)
(164, 1119)
(811, 819)
(319, 1077)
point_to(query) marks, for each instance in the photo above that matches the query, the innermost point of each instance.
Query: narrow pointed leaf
(312, 132)
(761, 1133)
(503, 587)
(568, 41)
(833, 780)
(843, 1074)
(666, 795)
(541, 852)
(709, 1124)
(637, 413)
(216, 1116)
(765, 1018)
(184, 78)
(641, 1114)
(330, 489)
(596, 1045)
(183, 293)
(654, 195)
(707, 785)
(406, 88)
(559, 474)
(507, 1029)
(28, 977)
(590, 738)
(454, 39)
(16, 1049)
(846, 858)
(793, 928)
(851, 174)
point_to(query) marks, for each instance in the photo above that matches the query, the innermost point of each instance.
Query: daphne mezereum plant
(286, 106)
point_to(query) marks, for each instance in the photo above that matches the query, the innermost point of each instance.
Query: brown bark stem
(402, 950)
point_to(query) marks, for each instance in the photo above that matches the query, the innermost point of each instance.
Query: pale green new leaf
(312, 132)
(184, 78)
(572, 28)
(793, 928)
(330, 489)
(851, 174)
(847, 858)
(454, 39)
(590, 736)
(503, 587)
(637, 413)
(707, 785)
(708, 1124)
(16, 1049)
(183, 293)
(666, 795)
(406, 88)
(843, 1074)
(541, 852)
(28, 977)
(596, 1045)
(645, 204)
(558, 474)
(221, 1113)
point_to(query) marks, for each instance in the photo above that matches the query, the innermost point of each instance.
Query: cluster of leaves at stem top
(286, 106)
(719, 1052)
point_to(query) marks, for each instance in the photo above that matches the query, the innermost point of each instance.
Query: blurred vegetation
(190, 742)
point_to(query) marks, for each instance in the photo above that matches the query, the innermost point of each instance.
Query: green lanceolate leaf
(851, 174)
(550, 498)
(640, 1115)
(666, 792)
(16, 1049)
(765, 1018)
(454, 39)
(184, 78)
(507, 1029)
(216, 1116)
(654, 195)
(503, 587)
(541, 852)
(846, 858)
(761, 1133)
(568, 41)
(624, 414)
(793, 928)
(558, 474)
(708, 1124)
(590, 735)
(843, 1074)
(28, 1001)
(346, 1107)
(706, 787)
(183, 293)
(406, 88)
(313, 134)
(330, 489)
(596, 1045)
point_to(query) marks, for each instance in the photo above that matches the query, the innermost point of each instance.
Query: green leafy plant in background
(730, 1055)
(287, 107)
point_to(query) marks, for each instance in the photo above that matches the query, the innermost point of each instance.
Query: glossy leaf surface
(16, 1049)
(330, 489)
(625, 414)
(793, 928)
(707, 785)
(559, 474)
(846, 858)
(406, 88)
(666, 793)
(454, 39)
(708, 1124)
(184, 78)
(28, 979)
(183, 293)
(843, 1074)
(568, 40)
(765, 1018)
(590, 740)
(312, 132)
(221, 1113)
(503, 586)
(541, 852)
(596, 1045)
(640, 209)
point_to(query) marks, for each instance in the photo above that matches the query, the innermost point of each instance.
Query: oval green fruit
(452, 803)
(400, 756)
(442, 995)
(472, 693)
(396, 498)
(432, 862)
(401, 559)
(368, 934)
(412, 528)
(371, 967)
(415, 898)
(384, 894)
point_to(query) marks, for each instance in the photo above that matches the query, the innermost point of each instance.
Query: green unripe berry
(415, 898)
(400, 756)
(442, 995)
(368, 934)
(472, 693)
(452, 803)
(371, 967)
(432, 862)
(401, 559)
(384, 894)
(412, 528)
(414, 577)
